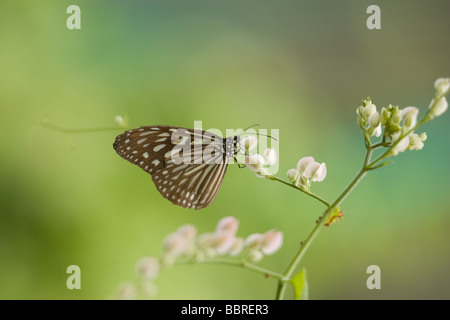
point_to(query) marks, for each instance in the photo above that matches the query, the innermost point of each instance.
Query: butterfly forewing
(187, 166)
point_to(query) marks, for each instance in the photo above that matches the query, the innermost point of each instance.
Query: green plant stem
(237, 263)
(315, 196)
(292, 266)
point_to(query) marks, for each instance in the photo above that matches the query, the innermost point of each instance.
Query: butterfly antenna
(266, 135)
(253, 125)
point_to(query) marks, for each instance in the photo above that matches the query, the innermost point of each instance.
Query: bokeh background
(298, 66)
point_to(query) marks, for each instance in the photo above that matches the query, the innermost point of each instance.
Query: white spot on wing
(157, 148)
(146, 133)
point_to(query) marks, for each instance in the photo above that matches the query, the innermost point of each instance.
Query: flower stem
(315, 196)
(237, 263)
(292, 266)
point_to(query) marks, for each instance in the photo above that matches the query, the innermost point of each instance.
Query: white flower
(268, 243)
(401, 146)
(271, 242)
(174, 245)
(188, 231)
(374, 128)
(223, 242)
(147, 267)
(307, 171)
(416, 141)
(270, 157)
(409, 117)
(229, 224)
(316, 171)
(377, 131)
(255, 162)
(303, 163)
(249, 142)
(438, 108)
(442, 85)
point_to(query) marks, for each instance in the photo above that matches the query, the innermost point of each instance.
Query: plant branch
(292, 266)
(237, 263)
(299, 189)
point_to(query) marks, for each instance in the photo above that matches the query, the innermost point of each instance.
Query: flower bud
(416, 141)
(374, 119)
(409, 117)
(270, 157)
(369, 110)
(293, 174)
(255, 256)
(442, 85)
(384, 116)
(304, 183)
(254, 241)
(438, 108)
(249, 142)
(400, 146)
(147, 268)
(396, 116)
(359, 111)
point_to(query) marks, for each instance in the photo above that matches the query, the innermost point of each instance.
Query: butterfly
(186, 165)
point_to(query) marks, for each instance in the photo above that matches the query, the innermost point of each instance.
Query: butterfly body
(186, 165)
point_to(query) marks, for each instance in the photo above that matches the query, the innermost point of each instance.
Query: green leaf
(300, 285)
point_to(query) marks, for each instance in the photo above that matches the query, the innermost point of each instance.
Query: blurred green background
(299, 66)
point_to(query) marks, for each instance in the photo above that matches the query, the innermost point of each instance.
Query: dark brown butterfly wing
(187, 166)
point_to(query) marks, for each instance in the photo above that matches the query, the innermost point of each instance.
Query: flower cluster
(399, 124)
(256, 162)
(369, 119)
(308, 171)
(184, 245)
